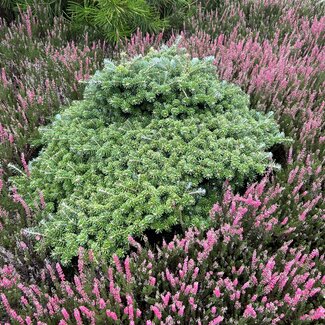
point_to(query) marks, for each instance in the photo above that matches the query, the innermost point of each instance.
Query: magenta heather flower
(127, 269)
(77, 316)
(317, 314)
(17, 198)
(4, 78)
(249, 312)
(217, 293)
(152, 280)
(65, 314)
(166, 298)
(60, 272)
(112, 315)
(133, 243)
(216, 321)
(117, 264)
(25, 165)
(156, 312)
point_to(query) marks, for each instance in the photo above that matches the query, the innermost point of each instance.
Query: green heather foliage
(148, 148)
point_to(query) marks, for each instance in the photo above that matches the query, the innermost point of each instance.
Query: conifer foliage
(148, 148)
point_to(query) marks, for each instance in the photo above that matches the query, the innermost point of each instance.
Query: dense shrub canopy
(149, 147)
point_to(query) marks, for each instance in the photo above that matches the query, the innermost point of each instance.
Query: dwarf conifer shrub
(148, 148)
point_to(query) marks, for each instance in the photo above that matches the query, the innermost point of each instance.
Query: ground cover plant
(41, 67)
(262, 261)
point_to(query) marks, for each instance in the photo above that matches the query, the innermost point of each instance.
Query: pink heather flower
(27, 19)
(102, 303)
(289, 161)
(5, 302)
(319, 313)
(88, 313)
(23, 246)
(40, 100)
(117, 264)
(151, 255)
(11, 138)
(228, 283)
(60, 272)
(127, 269)
(52, 274)
(181, 311)
(24, 301)
(65, 313)
(111, 314)
(309, 284)
(156, 311)
(292, 175)
(249, 312)
(77, 316)
(216, 291)
(195, 273)
(18, 199)
(95, 290)
(245, 286)
(191, 301)
(249, 201)
(81, 260)
(63, 322)
(4, 78)
(213, 310)
(114, 291)
(216, 321)
(80, 288)
(152, 280)
(28, 320)
(31, 96)
(195, 288)
(25, 165)
(171, 246)
(149, 266)
(68, 290)
(129, 299)
(24, 105)
(138, 313)
(134, 243)
(216, 210)
(284, 221)
(91, 256)
(166, 298)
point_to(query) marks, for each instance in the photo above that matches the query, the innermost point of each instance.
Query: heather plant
(148, 148)
(220, 276)
(12, 8)
(40, 69)
(278, 59)
(259, 17)
(37, 62)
